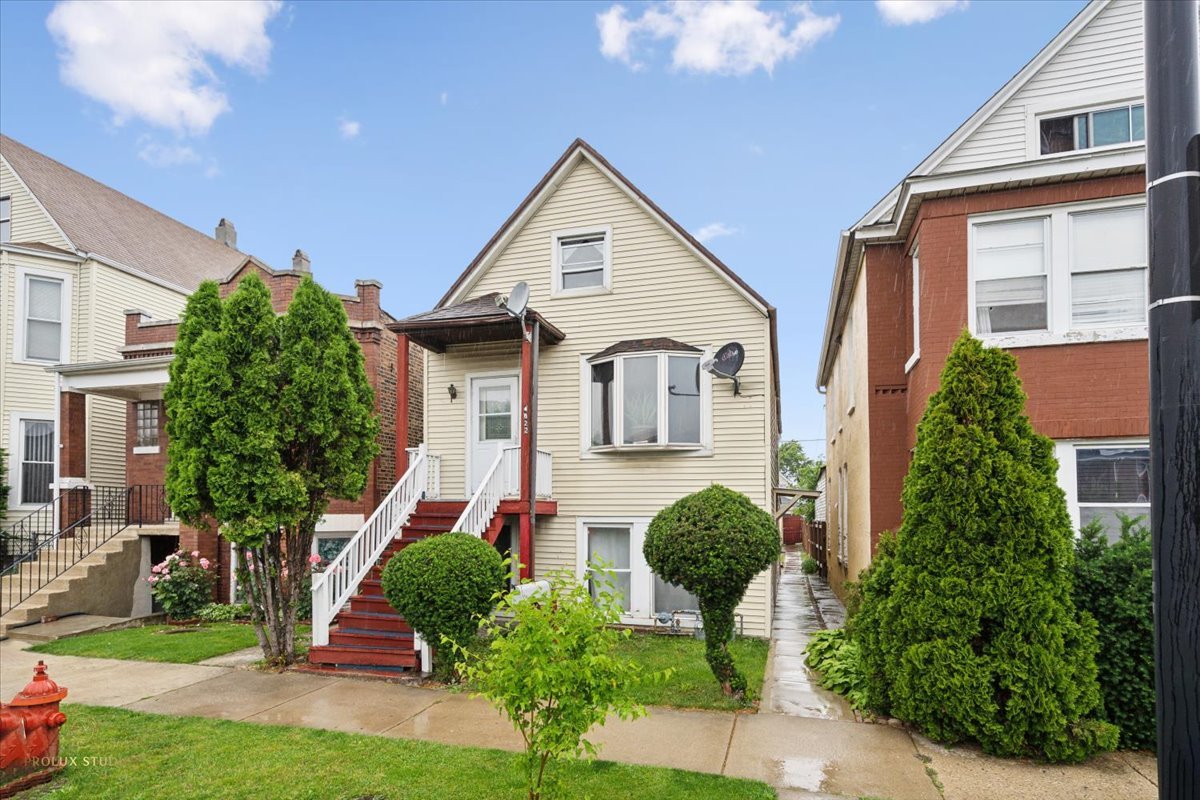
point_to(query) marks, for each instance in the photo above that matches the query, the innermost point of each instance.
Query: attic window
(582, 260)
(1099, 128)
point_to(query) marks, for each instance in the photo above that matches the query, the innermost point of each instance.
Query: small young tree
(268, 419)
(798, 470)
(967, 627)
(553, 669)
(713, 543)
(442, 586)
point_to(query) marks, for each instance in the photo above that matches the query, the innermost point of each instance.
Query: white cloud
(725, 37)
(349, 128)
(152, 61)
(165, 155)
(913, 12)
(716, 229)
(445, 98)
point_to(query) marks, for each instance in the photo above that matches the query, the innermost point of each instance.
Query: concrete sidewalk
(801, 757)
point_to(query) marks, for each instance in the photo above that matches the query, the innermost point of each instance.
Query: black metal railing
(60, 534)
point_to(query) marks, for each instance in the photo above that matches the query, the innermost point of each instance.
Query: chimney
(301, 262)
(226, 234)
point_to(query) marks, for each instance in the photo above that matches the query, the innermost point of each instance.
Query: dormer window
(582, 260)
(1090, 129)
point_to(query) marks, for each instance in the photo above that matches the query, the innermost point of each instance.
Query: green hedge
(1115, 583)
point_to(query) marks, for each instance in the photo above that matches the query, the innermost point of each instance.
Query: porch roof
(470, 322)
(127, 379)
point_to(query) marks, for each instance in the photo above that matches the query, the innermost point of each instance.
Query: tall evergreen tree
(271, 418)
(968, 628)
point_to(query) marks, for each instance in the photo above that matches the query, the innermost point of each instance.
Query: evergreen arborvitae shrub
(442, 584)
(1115, 584)
(968, 629)
(713, 543)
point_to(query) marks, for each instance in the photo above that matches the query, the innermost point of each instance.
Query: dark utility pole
(1173, 202)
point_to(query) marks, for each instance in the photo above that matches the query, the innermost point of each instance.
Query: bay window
(1048, 275)
(646, 400)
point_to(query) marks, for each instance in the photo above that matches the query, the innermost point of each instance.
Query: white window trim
(587, 450)
(916, 311)
(518, 414)
(22, 276)
(16, 456)
(1087, 103)
(556, 289)
(1064, 451)
(1058, 278)
(641, 577)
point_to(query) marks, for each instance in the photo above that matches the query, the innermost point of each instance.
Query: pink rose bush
(183, 584)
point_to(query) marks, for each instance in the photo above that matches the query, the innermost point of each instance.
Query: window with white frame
(1038, 275)
(582, 260)
(5, 219)
(1085, 130)
(916, 309)
(609, 547)
(843, 536)
(646, 400)
(43, 323)
(146, 427)
(617, 543)
(36, 464)
(1111, 481)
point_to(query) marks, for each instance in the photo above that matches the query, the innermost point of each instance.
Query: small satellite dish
(726, 363)
(518, 299)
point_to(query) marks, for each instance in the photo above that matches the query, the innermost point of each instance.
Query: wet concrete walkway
(804, 604)
(803, 758)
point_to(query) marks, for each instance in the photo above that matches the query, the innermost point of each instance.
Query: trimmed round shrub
(967, 628)
(713, 543)
(443, 584)
(809, 566)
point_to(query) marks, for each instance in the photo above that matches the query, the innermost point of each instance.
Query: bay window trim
(1058, 274)
(20, 319)
(663, 444)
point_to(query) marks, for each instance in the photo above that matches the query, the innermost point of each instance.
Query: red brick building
(1027, 228)
(140, 377)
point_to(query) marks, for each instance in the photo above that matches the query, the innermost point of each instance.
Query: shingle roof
(478, 307)
(99, 219)
(643, 346)
(471, 321)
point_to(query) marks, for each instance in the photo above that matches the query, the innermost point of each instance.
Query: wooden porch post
(402, 388)
(527, 454)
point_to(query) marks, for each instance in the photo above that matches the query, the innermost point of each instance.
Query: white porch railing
(545, 473)
(498, 482)
(334, 587)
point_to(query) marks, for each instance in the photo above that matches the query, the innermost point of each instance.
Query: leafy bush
(224, 612)
(442, 585)
(1115, 584)
(809, 566)
(554, 669)
(183, 584)
(837, 658)
(713, 543)
(967, 628)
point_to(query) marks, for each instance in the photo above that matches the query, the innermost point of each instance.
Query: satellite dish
(726, 363)
(518, 299)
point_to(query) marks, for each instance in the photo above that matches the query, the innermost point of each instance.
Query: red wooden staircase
(372, 636)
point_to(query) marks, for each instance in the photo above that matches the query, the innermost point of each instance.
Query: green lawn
(177, 644)
(125, 755)
(692, 684)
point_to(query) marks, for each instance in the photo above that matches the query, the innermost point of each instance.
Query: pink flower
(314, 559)
(166, 573)
(157, 568)
(204, 562)
(152, 580)
(195, 554)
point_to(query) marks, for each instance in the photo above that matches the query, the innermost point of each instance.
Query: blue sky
(391, 140)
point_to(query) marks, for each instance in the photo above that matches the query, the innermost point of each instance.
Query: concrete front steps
(99, 581)
(372, 636)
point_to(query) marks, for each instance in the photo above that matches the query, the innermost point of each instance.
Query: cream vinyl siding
(30, 222)
(659, 289)
(1103, 62)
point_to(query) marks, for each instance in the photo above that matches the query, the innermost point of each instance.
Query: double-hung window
(1111, 481)
(582, 260)
(43, 322)
(1059, 274)
(1085, 130)
(646, 400)
(36, 442)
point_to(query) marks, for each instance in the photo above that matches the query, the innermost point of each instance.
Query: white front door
(493, 423)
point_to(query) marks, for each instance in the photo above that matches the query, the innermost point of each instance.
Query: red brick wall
(1075, 391)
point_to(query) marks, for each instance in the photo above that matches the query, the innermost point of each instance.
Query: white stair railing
(333, 588)
(499, 482)
(545, 473)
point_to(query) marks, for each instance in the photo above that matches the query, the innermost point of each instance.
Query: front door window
(493, 423)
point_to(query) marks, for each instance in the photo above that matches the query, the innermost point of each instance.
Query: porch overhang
(130, 379)
(471, 322)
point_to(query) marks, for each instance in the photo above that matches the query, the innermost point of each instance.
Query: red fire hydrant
(29, 734)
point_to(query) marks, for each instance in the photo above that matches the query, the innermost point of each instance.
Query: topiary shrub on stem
(713, 543)
(968, 629)
(1114, 582)
(442, 585)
